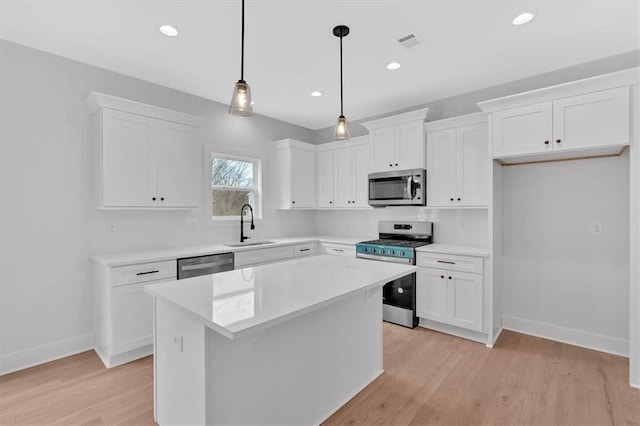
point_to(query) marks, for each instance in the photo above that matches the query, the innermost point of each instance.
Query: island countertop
(237, 303)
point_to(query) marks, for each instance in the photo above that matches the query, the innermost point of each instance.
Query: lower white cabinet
(337, 249)
(306, 249)
(449, 293)
(123, 312)
(245, 259)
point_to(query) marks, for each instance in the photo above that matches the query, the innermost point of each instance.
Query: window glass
(233, 184)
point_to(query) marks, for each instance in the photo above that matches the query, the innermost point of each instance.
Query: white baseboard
(571, 336)
(50, 352)
(634, 385)
(496, 335)
(454, 331)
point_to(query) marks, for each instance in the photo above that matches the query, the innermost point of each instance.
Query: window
(235, 181)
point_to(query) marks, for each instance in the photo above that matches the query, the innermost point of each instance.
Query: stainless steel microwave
(398, 188)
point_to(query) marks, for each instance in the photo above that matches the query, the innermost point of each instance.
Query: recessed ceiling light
(523, 18)
(392, 66)
(168, 30)
(316, 93)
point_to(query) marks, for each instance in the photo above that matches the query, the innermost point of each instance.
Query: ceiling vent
(410, 41)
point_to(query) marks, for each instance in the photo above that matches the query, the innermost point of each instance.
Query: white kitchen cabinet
(342, 174)
(295, 174)
(123, 312)
(248, 258)
(451, 293)
(325, 179)
(306, 249)
(458, 163)
(337, 249)
(563, 127)
(397, 142)
(146, 156)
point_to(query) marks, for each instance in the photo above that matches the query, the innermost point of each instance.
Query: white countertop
(236, 303)
(127, 258)
(455, 249)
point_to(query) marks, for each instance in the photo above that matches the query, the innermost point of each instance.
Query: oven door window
(399, 292)
(391, 188)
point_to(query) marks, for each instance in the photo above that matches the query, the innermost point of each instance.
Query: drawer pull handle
(305, 249)
(338, 250)
(148, 272)
(446, 261)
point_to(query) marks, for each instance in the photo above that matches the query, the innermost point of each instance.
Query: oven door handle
(410, 188)
(384, 258)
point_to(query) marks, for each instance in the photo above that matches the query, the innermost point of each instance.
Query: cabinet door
(132, 313)
(382, 147)
(176, 159)
(465, 300)
(522, 130)
(303, 178)
(325, 179)
(128, 159)
(361, 161)
(592, 120)
(409, 146)
(441, 168)
(343, 177)
(472, 160)
(431, 294)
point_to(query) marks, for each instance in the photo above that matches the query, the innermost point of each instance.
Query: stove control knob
(381, 251)
(392, 252)
(400, 290)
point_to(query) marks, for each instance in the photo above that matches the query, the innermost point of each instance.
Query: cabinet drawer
(450, 262)
(339, 249)
(250, 257)
(280, 253)
(143, 272)
(307, 249)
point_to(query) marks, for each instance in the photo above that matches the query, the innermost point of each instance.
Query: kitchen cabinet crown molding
(293, 143)
(627, 77)
(329, 146)
(97, 100)
(420, 114)
(463, 120)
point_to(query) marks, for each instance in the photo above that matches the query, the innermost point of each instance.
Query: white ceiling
(290, 49)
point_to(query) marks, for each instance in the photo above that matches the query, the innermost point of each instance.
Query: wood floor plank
(429, 378)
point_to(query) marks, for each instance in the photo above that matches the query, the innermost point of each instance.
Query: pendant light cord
(341, 94)
(242, 46)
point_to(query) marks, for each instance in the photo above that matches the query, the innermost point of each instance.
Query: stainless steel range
(397, 243)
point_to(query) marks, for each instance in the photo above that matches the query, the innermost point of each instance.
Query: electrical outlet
(463, 224)
(113, 228)
(596, 228)
(176, 341)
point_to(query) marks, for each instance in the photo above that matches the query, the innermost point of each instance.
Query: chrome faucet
(242, 236)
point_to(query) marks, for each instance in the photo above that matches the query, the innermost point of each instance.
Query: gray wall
(48, 223)
(466, 103)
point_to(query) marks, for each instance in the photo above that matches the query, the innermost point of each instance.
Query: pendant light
(241, 100)
(341, 132)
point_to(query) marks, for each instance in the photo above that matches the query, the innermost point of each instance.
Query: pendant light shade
(341, 132)
(241, 100)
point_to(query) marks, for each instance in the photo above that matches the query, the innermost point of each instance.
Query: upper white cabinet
(295, 163)
(342, 173)
(397, 142)
(458, 163)
(584, 118)
(146, 156)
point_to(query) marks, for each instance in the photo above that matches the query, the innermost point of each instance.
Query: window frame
(211, 152)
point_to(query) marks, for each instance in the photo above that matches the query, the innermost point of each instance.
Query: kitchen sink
(249, 244)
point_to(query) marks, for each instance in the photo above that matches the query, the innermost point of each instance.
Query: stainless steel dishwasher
(204, 265)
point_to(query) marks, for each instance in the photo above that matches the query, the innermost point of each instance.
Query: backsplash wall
(460, 226)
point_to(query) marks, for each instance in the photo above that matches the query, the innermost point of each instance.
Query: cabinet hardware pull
(449, 277)
(293, 202)
(161, 198)
(154, 198)
(338, 250)
(305, 249)
(148, 272)
(546, 142)
(442, 276)
(390, 165)
(452, 199)
(330, 202)
(446, 261)
(396, 164)
(558, 140)
(458, 198)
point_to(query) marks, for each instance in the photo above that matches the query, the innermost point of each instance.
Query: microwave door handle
(411, 188)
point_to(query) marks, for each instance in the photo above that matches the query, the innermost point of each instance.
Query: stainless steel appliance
(398, 188)
(397, 243)
(204, 265)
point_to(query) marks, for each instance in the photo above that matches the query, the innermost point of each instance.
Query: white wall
(561, 280)
(48, 226)
(467, 227)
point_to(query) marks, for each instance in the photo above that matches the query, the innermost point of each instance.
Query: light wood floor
(430, 378)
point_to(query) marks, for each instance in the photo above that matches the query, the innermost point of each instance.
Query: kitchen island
(284, 343)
